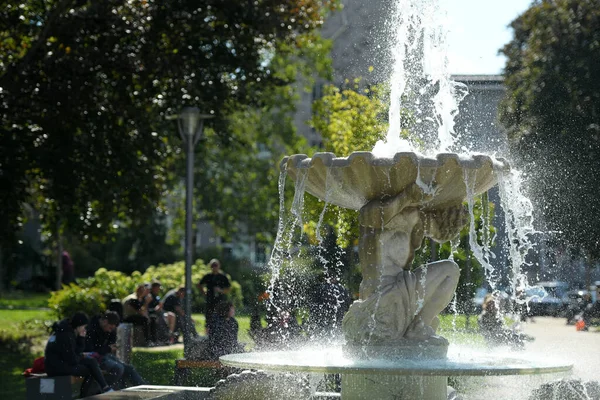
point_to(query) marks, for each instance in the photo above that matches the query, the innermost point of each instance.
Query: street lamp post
(190, 123)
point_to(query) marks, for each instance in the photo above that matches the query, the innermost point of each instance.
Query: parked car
(546, 298)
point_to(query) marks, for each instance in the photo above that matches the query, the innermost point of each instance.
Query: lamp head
(190, 121)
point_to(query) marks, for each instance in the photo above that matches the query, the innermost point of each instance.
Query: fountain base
(394, 387)
(433, 348)
(385, 378)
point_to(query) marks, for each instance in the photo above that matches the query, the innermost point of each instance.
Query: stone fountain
(392, 350)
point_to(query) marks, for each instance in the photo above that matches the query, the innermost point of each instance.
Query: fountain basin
(335, 361)
(353, 181)
(411, 378)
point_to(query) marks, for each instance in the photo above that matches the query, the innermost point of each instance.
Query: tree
(552, 114)
(237, 169)
(85, 88)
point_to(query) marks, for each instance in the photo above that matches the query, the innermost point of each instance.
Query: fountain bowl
(353, 181)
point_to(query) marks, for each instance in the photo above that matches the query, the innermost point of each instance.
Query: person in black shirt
(222, 338)
(64, 351)
(101, 338)
(172, 303)
(215, 287)
(330, 303)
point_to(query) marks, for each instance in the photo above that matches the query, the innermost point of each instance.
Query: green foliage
(92, 295)
(351, 119)
(86, 87)
(551, 111)
(112, 284)
(73, 298)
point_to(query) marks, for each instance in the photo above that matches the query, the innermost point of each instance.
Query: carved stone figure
(395, 302)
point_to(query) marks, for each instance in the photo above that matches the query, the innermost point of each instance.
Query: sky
(477, 29)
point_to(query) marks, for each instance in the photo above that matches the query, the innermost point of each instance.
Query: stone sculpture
(400, 200)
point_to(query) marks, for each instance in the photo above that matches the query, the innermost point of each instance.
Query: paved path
(553, 336)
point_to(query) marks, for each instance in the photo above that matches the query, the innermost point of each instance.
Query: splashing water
(518, 211)
(481, 252)
(420, 82)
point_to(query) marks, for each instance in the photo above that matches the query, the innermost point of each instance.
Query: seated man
(135, 310)
(493, 328)
(222, 338)
(172, 302)
(64, 351)
(162, 323)
(101, 337)
(591, 312)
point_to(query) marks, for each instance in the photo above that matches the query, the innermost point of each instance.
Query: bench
(42, 386)
(183, 366)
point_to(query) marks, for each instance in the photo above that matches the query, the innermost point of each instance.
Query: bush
(112, 284)
(93, 294)
(70, 299)
(172, 276)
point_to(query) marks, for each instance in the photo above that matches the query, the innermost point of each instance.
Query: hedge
(92, 295)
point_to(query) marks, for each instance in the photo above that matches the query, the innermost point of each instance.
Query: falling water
(518, 211)
(420, 82)
(481, 252)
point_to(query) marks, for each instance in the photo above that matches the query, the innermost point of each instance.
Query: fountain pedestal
(394, 386)
(391, 387)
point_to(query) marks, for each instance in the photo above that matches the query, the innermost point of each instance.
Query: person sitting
(222, 338)
(172, 303)
(116, 306)
(492, 326)
(101, 338)
(162, 323)
(64, 351)
(330, 302)
(590, 312)
(135, 310)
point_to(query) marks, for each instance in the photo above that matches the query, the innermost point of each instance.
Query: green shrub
(172, 276)
(73, 298)
(112, 284)
(93, 294)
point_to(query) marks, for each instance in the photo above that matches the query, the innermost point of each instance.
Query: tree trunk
(59, 258)
(2, 286)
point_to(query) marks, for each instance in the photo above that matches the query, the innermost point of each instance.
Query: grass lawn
(20, 299)
(157, 367)
(19, 355)
(16, 321)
